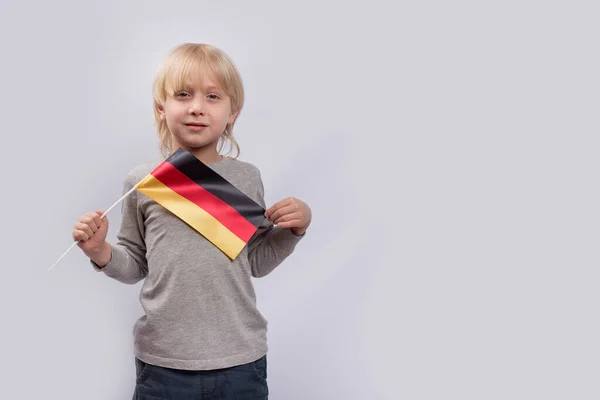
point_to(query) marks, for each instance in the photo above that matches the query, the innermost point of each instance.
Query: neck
(206, 154)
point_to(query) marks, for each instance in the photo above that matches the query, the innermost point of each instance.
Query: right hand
(91, 231)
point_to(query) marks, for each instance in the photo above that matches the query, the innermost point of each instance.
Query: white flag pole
(102, 216)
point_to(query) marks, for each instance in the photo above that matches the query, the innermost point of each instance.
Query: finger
(96, 217)
(290, 207)
(84, 219)
(295, 223)
(271, 210)
(95, 221)
(85, 228)
(88, 219)
(277, 206)
(287, 217)
(78, 234)
(283, 211)
(100, 213)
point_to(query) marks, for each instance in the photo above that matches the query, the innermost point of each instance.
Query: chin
(196, 144)
(194, 140)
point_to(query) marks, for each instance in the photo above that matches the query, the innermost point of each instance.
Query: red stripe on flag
(223, 212)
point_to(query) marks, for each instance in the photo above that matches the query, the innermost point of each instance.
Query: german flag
(205, 200)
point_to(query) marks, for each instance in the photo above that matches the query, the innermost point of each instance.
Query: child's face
(197, 115)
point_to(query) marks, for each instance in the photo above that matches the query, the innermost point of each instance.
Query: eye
(181, 94)
(213, 96)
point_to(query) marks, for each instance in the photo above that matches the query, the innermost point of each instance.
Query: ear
(232, 118)
(161, 112)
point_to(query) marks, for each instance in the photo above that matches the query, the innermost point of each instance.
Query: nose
(197, 106)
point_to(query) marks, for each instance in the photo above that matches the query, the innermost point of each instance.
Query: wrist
(298, 231)
(102, 255)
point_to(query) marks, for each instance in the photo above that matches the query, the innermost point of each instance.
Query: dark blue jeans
(247, 381)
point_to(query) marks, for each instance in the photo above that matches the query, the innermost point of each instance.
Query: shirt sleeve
(128, 262)
(270, 245)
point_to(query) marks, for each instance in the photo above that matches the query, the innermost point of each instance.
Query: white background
(449, 151)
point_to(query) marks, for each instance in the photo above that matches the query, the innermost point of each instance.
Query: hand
(290, 213)
(90, 230)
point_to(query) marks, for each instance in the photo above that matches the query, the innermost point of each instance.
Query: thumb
(104, 220)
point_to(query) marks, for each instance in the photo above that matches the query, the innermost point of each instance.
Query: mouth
(196, 126)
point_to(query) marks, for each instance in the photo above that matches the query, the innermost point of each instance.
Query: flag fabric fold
(205, 200)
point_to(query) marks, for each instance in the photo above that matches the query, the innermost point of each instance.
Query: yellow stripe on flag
(193, 215)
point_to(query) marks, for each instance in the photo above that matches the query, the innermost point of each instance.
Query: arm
(270, 245)
(127, 262)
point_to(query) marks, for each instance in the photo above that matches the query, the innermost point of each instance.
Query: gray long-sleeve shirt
(200, 307)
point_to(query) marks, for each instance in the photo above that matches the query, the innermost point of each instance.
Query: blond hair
(193, 61)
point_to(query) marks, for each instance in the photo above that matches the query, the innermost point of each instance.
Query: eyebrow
(187, 86)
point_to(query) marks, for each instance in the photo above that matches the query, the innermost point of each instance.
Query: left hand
(290, 213)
